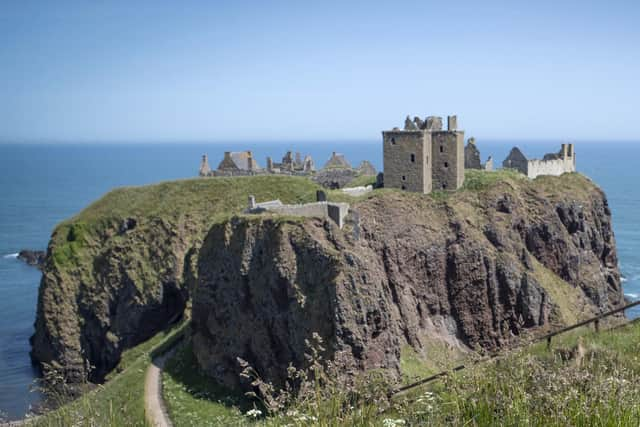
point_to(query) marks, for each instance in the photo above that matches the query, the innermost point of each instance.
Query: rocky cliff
(122, 269)
(471, 270)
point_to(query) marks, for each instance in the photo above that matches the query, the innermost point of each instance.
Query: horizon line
(354, 141)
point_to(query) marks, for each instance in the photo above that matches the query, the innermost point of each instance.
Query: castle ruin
(472, 157)
(551, 164)
(291, 164)
(423, 157)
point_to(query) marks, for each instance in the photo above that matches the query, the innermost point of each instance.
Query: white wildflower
(255, 413)
(390, 422)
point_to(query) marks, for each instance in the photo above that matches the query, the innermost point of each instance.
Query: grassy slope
(531, 386)
(120, 401)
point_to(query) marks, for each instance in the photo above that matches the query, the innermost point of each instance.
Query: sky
(212, 71)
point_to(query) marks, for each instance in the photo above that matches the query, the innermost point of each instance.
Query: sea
(43, 184)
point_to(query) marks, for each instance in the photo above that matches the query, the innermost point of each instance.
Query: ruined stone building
(336, 173)
(551, 164)
(237, 163)
(291, 164)
(338, 161)
(472, 157)
(205, 170)
(423, 157)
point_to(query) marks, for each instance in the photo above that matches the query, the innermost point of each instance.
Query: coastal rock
(33, 258)
(134, 286)
(471, 272)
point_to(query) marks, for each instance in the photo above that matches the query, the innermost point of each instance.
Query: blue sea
(41, 185)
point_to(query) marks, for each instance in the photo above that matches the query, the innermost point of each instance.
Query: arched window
(446, 164)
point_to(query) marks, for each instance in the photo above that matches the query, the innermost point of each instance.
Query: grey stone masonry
(472, 155)
(448, 160)
(563, 161)
(407, 160)
(204, 166)
(424, 159)
(337, 212)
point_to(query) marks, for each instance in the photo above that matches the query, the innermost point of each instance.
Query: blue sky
(297, 70)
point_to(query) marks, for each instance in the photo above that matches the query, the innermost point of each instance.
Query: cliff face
(471, 269)
(121, 288)
(122, 270)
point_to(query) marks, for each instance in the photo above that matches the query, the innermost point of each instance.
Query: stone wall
(472, 156)
(552, 164)
(550, 167)
(448, 160)
(334, 211)
(407, 163)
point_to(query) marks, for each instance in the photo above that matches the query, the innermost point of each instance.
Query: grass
(198, 202)
(120, 401)
(478, 180)
(362, 181)
(532, 386)
(436, 357)
(193, 399)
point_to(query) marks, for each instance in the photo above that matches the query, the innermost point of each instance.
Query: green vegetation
(437, 357)
(362, 181)
(596, 382)
(197, 202)
(120, 401)
(477, 180)
(192, 399)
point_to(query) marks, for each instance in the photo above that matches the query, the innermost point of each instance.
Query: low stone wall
(335, 211)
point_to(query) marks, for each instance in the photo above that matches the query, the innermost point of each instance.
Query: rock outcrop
(133, 286)
(471, 271)
(32, 258)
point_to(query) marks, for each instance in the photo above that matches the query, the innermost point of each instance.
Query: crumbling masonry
(551, 164)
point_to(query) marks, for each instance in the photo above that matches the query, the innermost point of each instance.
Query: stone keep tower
(423, 157)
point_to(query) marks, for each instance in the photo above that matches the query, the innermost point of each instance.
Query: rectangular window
(442, 149)
(446, 164)
(413, 158)
(404, 178)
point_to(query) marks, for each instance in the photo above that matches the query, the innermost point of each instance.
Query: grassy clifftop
(199, 202)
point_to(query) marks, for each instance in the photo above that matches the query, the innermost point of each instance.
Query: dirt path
(155, 409)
